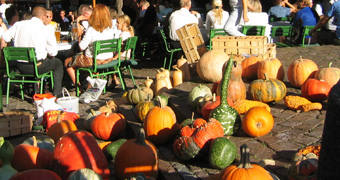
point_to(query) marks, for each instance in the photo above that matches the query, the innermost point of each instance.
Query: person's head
(217, 4)
(305, 3)
(26, 16)
(278, 2)
(39, 12)
(49, 16)
(256, 4)
(100, 18)
(12, 15)
(123, 22)
(144, 5)
(62, 13)
(185, 4)
(113, 13)
(85, 10)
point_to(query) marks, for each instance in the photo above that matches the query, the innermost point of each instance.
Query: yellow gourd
(161, 85)
(148, 82)
(183, 65)
(177, 77)
(166, 76)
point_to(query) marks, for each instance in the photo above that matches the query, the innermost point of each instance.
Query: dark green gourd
(224, 113)
(6, 155)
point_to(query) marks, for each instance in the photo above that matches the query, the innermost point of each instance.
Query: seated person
(217, 17)
(279, 10)
(327, 36)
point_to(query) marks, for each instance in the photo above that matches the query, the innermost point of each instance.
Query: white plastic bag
(93, 93)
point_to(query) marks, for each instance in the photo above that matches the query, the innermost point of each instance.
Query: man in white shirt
(34, 33)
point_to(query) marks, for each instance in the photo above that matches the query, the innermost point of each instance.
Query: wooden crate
(240, 44)
(191, 41)
(15, 123)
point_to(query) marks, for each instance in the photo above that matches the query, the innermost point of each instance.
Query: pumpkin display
(267, 90)
(257, 121)
(111, 149)
(6, 156)
(272, 67)
(236, 89)
(185, 148)
(110, 107)
(84, 174)
(329, 74)
(43, 142)
(160, 124)
(224, 113)
(50, 117)
(136, 156)
(60, 128)
(303, 166)
(222, 152)
(31, 157)
(139, 94)
(183, 65)
(77, 150)
(209, 67)
(142, 109)
(177, 77)
(189, 129)
(196, 92)
(34, 174)
(315, 90)
(206, 132)
(250, 66)
(89, 119)
(300, 70)
(245, 170)
(108, 126)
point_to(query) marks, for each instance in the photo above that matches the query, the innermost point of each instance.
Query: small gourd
(183, 65)
(109, 107)
(196, 92)
(6, 155)
(224, 113)
(222, 152)
(177, 77)
(139, 94)
(148, 82)
(142, 108)
(161, 85)
(166, 74)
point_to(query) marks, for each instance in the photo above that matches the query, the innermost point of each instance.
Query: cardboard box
(15, 123)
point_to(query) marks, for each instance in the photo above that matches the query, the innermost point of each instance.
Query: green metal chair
(168, 49)
(277, 31)
(14, 76)
(275, 19)
(103, 46)
(305, 33)
(215, 32)
(130, 44)
(250, 30)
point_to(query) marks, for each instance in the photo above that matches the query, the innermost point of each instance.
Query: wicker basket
(15, 123)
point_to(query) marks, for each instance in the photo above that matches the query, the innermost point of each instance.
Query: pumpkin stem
(266, 76)
(214, 97)
(35, 143)
(141, 137)
(93, 112)
(59, 115)
(192, 116)
(330, 64)
(245, 157)
(107, 114)
(225, 81)
(300, 58)
(161, 103)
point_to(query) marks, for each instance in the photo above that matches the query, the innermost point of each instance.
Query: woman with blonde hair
(127, 31)
(100, 28)
(217, 17)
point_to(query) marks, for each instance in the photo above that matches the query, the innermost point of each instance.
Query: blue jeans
(233, 20)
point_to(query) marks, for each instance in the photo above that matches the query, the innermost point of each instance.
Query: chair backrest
(274, 18)
(215, 32)
(253, 30)
(167, 46)
(131, 44)
(23, 54)
(106, 46)
(305, 33)
(281, 31)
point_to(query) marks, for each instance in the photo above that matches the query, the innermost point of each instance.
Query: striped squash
(267, 90)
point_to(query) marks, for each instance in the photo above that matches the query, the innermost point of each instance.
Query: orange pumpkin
(300, 70)
(136, 156)
(245, 170)
(108, 126)
(60, 128)
(160, 124)
(34, 174)
(273, 68)
(257, 121)
(329, 74)
(315, 90)
(249, 67)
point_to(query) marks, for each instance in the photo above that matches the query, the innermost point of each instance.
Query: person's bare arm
(245, 10)
(3, 43)
(321, 22)
(292, 8)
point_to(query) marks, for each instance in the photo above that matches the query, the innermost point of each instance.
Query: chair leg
(170, 61)
(164, 62)
(133, 79)
(121, 79)
(77, 83)
(22, 90)
(8, 86)
(1, 103)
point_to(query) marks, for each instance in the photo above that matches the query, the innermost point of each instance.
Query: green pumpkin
(222, 153)
(111, 149)
(6, 156)
(139, 94)
(164, 99)
(43, 141)
(142, 109)
(224, 113)
(185, 148)
(196, 93)
(84, 174)
(267, 90)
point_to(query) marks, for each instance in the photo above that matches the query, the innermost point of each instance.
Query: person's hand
(194, 12)
(245, 18)
(80, 18)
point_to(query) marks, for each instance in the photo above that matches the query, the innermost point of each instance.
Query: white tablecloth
(64, 46)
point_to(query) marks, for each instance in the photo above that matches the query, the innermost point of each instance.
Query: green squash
(222, 153)
(224, 113)
(139, 94)
(6, 156)
(111, 149)
(196, 93)
(84, 174)
(163, 98)
(185, 148)
(189, 121)
(43, 141)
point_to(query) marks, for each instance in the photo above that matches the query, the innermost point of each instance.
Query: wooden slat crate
(15, 123)
(240, 44)
(191, 41)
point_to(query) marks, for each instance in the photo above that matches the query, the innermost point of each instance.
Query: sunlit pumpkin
(249, 67)
(257, 121)
(300, 70)
(108, 126)
(315, 90)
(272, 67)
(329, 74)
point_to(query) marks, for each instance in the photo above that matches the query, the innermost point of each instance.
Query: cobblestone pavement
(292, 130)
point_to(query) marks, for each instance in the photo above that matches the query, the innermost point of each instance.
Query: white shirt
(125, 35)
(91, 36)
(235, 3)
(181, 18)
(33, 33)
(211, 22)
(117, 32)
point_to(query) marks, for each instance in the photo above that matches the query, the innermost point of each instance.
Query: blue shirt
(335, 11)
(307, 16)
(279, 11)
